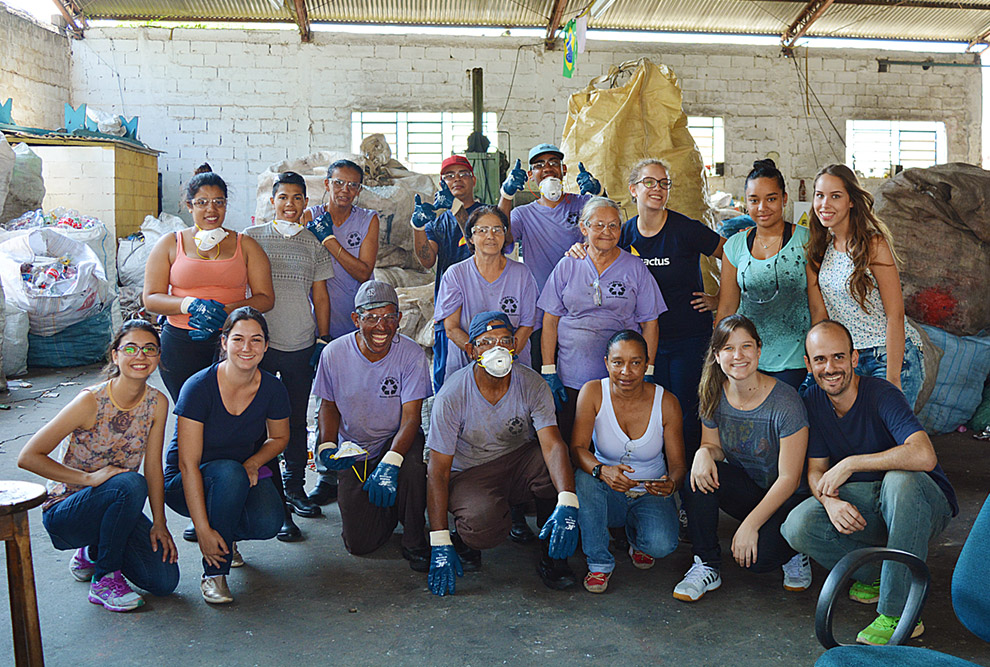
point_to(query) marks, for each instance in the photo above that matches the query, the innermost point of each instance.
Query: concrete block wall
(79, 177)
(34, 70)
(243, 100)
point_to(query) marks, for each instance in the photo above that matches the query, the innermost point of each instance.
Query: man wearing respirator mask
(494, 443)
(547, 227)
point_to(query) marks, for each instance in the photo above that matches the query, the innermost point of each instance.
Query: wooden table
(16, 498)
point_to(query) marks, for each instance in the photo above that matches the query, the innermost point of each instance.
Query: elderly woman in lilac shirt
(586, 300)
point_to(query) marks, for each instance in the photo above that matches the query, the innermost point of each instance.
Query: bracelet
(340, 251)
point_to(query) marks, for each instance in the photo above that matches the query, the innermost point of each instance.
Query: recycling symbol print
(615, 288)
(516, 425)
(353, 240)
(390, 386)
(572, 218)
(509, 305)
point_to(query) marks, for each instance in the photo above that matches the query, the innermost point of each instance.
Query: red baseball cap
(458, 160)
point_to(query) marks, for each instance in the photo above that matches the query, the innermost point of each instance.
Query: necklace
(767, 245)
(117, 405)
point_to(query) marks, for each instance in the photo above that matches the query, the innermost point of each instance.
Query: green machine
(489, 171)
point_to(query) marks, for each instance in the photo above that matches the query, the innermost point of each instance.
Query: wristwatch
(596, 472)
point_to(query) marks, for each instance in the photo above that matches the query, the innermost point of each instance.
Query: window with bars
(709, 136)
(421, 140)
(876, 148)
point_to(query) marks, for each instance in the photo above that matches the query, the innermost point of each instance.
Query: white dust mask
(286, 228)
(552, 188)
(497, 361)
(208, 239)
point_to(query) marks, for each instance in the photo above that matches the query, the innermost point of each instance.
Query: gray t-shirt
(751, 438)
(297, 262)
(466, 425)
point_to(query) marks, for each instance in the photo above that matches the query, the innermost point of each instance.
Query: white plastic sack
(70, 300)
(27, 188)
(6, 167)
(132, 254)
(15, 340)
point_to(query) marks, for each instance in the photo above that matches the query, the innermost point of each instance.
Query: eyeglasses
(450, 176)
(630, 448)
(219, 202)
(541, 164)
(132, 350)
(776, 283)
(505, 341)
(497, 230)
(373, 318)
(601, 226)
(598, 292)
(650, 183)
(339, 184)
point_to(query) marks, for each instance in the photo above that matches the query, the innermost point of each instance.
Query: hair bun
(204, 168)
(765, 162)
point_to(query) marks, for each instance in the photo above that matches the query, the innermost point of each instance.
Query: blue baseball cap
(540, 149)
(484, 322)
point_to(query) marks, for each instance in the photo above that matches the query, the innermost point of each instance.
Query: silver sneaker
(699, 580)
(236, 560)
(797, 573)
(215, 590)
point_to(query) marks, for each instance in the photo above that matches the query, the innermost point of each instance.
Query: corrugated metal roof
(951, 20)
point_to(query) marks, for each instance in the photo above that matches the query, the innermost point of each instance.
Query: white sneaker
(699, 580)
(797, 573)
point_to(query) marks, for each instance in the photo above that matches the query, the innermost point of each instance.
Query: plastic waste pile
(66, 218)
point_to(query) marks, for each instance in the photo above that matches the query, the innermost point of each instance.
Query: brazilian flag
(570, 47)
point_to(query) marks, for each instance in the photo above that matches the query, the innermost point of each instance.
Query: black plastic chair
(969, 599)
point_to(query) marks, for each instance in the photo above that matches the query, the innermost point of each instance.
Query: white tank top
(613, 446)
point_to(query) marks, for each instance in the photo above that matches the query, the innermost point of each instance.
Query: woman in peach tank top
(198, 276)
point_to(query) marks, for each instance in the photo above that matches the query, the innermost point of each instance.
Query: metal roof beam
(922, 4)
(556, 14)
(70, 12)
(811, 13)
(302, 20)
(983, 38)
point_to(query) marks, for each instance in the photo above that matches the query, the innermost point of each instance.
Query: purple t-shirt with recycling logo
(545, 233)
(513, 293)
(369, 395)
(628, 296)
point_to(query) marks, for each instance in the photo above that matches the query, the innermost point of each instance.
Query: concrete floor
(310, 602)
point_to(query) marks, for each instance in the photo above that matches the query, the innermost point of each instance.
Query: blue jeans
(903, 511)
(650, 521)
(235, 510)
(108, 519)
(296, 374)
(678, 368)
(873, 362)
(182, 357)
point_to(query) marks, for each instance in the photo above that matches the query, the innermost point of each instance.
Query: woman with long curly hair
(855, 280)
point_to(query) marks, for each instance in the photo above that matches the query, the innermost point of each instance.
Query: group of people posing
(585, 383)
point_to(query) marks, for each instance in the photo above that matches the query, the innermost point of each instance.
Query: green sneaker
(865, 593)
(878, 633)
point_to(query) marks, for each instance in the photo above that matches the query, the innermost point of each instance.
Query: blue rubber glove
(330, 463)
(322, 227)
(202, 334)
(314, 360)
(562, 529)
(445, 567)
(649, 377)
(444, 198)
(515, 181)
(556, 388)
(382, 483)
(589, 184)
(208, 312)
(422, 214)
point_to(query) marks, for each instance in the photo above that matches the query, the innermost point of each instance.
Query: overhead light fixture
(600, 7)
